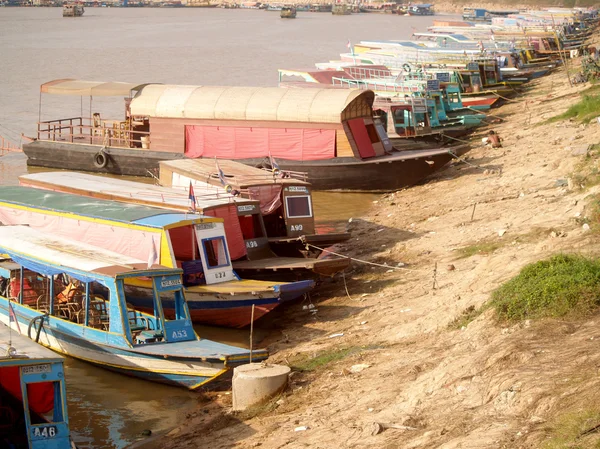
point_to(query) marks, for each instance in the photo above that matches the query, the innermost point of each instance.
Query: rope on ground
(507, 99)
(454, 138)
(353, 259)
(463, 160)
(484, 113)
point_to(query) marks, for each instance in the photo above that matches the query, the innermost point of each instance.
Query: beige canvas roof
(88, 88)
(252, 103)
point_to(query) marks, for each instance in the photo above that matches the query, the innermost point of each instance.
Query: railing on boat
(6, 146)
(108, 133)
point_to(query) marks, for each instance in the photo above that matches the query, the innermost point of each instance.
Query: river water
(161, 45)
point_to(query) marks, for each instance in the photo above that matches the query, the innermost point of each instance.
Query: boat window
(44, 401)
(251, 226)
(214, 251)
(298, 206)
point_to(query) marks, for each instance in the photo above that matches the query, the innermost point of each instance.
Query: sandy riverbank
(482, 385)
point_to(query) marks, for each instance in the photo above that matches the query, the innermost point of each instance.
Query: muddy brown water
(165, 45)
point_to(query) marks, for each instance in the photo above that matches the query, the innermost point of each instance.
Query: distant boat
(288, 12)
(73, 10)
(341, 9)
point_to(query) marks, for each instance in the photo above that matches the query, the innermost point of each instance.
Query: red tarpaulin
(40, 394)
(229, 142)
(361, 137)
(233, 231)
(269, 197)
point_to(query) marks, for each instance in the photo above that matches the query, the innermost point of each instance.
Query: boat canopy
(102, 209)
(89, 88)
(252, 103)
(52, 255)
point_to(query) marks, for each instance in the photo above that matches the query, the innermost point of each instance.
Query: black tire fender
(100, 159)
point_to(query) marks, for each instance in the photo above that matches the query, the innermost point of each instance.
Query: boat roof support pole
(87, 304)
(40, 111)
(22, 282)
(91, 109)
(51, 290)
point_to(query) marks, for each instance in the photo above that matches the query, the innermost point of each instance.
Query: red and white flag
(349, 44)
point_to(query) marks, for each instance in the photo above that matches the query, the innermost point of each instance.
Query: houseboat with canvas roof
(196, 243)
(94, 322)
(248, 240)
(33, 396)
(285, 198)
(327, 133)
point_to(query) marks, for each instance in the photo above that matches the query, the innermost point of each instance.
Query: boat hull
(72, 156)
(376, 174)
(56, 335)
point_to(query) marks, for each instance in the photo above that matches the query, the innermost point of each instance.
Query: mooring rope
(354, 259)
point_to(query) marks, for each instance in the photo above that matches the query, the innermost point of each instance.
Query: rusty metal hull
(119, 161)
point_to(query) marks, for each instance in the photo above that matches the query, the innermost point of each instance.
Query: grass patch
(586, 174)
(312, 362)
(587, 109)
(468, 315)
(478, 248)
(560, 286)
(575, 431)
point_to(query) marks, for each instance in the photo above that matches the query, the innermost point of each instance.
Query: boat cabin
(33, 400)
(404, 117)
(285, 198)
(242, 220)
(195, 243)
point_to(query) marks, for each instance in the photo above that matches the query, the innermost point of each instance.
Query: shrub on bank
(564, 285)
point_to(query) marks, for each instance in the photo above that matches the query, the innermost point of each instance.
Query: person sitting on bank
(494, 139)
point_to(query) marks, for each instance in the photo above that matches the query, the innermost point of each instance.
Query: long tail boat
(247, 238)
(196, 243)
(97, 324)
(285, 199)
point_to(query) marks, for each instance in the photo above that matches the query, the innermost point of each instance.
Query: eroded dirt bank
(402, 358)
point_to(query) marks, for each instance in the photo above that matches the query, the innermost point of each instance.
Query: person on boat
(69, 292)
(30, 296)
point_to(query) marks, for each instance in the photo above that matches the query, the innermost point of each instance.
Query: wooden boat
(247, 238)
(73, 10)
(33, 398)
(196, 243)
(328, 133)
(95, 324)
(285, 198)
(288, 12)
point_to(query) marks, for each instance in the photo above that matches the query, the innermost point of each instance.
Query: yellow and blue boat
(195, 243)
(96, 324)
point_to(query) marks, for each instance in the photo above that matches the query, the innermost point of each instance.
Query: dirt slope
(479, 386)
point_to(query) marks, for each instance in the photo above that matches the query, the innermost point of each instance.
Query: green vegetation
(587, 109)
(478, 248)
(564, 285)
(575, 430)
(306, 362)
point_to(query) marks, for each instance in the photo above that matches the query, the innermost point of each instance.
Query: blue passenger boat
(33, 402)
(72, 297)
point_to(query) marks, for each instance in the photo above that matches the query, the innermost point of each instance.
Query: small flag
(274, 165)
(192, 197)
(220, 173)
(12, 316)
(349, 44)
